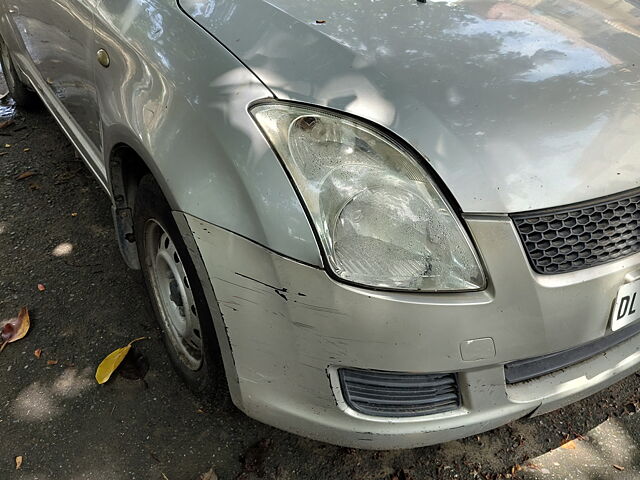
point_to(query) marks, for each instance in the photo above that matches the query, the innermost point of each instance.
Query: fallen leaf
(74, 214)
(37, 352)
(27, 174)
(4, 153)
(19, 462)
(41, 287)
(14, 329)
(26, 149)
(52, 362)
(619, 468)
(200, 411)
(112, 362)
(7, 145)
(210, 475)
(6, 123)
(320, 22)
(570, 445)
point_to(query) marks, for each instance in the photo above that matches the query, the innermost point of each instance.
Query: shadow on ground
(55, 230)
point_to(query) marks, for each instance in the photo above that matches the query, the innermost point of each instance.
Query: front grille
(581, 236)
(387, 394)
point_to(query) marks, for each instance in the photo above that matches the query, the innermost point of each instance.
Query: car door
(58, 40)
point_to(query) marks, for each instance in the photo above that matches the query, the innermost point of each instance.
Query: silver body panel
(285, 351)
(56, 35)
(516, 106)
(192, 130)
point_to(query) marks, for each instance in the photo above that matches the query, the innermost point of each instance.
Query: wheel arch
(126, 165)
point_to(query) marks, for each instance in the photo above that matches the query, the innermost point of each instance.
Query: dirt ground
(56, 230)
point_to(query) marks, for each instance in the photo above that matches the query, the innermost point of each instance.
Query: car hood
(517, 105)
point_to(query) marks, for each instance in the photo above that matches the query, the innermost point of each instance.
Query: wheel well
(126, 168)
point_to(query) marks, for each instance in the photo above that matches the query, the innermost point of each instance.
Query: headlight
(381, 220)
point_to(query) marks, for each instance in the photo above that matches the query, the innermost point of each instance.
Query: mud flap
(123, 222)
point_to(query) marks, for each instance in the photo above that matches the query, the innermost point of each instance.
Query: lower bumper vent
(386, 394)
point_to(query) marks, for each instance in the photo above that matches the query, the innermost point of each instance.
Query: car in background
(380, 224)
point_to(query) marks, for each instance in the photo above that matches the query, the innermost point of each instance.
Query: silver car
(389, 223)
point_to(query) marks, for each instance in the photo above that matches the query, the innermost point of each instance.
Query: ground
(56, 230)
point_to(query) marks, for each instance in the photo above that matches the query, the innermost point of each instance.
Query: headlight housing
(381, 220)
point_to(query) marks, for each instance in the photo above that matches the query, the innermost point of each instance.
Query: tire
(176, 293)
(21, 93)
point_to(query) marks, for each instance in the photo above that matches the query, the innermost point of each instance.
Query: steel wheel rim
(173, 296)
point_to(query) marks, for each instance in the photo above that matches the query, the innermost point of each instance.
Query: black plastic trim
(587, 233)
(392, 394)
(530, 368)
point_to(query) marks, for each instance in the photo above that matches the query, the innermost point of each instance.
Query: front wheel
(176, 293)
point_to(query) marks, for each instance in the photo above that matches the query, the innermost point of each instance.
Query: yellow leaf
(16, 328)
(570, 445)
(112, 362)
(18, 462)
(23, 325)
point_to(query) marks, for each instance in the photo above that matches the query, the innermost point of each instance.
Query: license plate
(626, 310)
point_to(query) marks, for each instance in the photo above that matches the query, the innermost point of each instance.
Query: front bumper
(290, 326)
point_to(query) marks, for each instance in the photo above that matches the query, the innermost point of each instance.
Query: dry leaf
(570, 445)
(15, 328)
(74, 214)
(19, 462)
(112, 362)
(619, 468)
(7, 145)
(26, 149)
(6, 123)
(41, 287)
(37, 352)
(52, 362)
(27, 174)
(210, 475)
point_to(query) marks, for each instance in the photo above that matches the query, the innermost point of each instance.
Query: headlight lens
(381, 220)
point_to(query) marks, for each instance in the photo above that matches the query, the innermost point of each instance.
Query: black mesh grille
(388, 394)
(573, 238)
